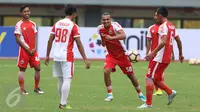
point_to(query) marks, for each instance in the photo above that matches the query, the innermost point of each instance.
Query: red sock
(164, 87)
(109, 89)
(149, 90)
(37, 79)
(21, 80)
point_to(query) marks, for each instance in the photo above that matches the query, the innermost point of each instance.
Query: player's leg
(67, 72)
(22, 64)
(159, 90)
(158, 82)
(127, 69)
(108, 68)
(21, 80)
(57, 72)
(107, 80)
(149, 85)
(35, 62)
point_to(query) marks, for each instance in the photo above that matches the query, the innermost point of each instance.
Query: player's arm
(149, 40)
(49, 45)
(148, 46)
(82, 51)
(22, 44)
(76, 36)
(102, 42)
(179, 44)
(161, 45)
(120, 36)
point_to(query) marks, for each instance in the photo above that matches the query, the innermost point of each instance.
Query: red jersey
(169, 30)
(65, 32)
(27, 31)
(116, 48)
(153, 35)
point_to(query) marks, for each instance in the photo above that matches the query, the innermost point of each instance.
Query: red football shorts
(24, 58)
(123, 62)
(156, 69)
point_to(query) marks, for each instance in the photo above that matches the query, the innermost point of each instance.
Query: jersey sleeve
(53, 29)
(76, 31)
(117, 27)
(17, 29)
(35, 28)
(163, 30)
(149, 33)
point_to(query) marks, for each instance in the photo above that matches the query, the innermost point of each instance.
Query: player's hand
(30, 52)
(33, 51)
(108, 37)
(181, 58)
(173, 57)
(47, 61)
(149, 56)
(87, 64)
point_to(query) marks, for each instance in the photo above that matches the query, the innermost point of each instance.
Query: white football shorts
(63, 69)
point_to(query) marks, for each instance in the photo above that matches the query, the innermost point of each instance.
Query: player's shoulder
(115, 24)
(32, 22)
(19, 23)
(100, 27)
(153, 26)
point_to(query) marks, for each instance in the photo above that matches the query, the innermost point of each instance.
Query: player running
(163, 51)
(112, 35)
(25, 33)
(62, 37)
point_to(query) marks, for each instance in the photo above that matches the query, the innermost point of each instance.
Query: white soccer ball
(198, 61)
(134, 56)
(192, 61)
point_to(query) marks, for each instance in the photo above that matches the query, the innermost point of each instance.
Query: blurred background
(129, 13)
(135, 15)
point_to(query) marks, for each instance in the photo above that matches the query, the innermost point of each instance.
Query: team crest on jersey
(22, 62)
(110, 32)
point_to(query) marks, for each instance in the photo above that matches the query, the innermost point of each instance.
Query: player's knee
(107, 71)
(37, 69)
(149, 81)
(22, 69)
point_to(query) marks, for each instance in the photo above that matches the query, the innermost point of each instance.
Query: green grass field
(88, 91)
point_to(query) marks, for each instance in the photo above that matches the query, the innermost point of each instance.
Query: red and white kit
(65, 32)
(27, 31)
(116, 49)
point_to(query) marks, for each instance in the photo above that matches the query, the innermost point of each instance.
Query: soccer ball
(192, 61)
(134, 56)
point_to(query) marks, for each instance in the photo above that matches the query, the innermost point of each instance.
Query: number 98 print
(61, 35)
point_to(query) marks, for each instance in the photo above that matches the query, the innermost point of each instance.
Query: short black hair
(23, 7)
(105, 13)
(163, 11)
(70, 9)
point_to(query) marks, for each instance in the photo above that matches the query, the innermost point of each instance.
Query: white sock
(60, 84)
(65, 90)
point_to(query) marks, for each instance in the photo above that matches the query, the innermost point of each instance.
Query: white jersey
(65, 31)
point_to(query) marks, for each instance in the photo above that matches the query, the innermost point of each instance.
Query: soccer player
(152, 43)
(166, 36)
(64, 33)
(112, 35)
(25, 32)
